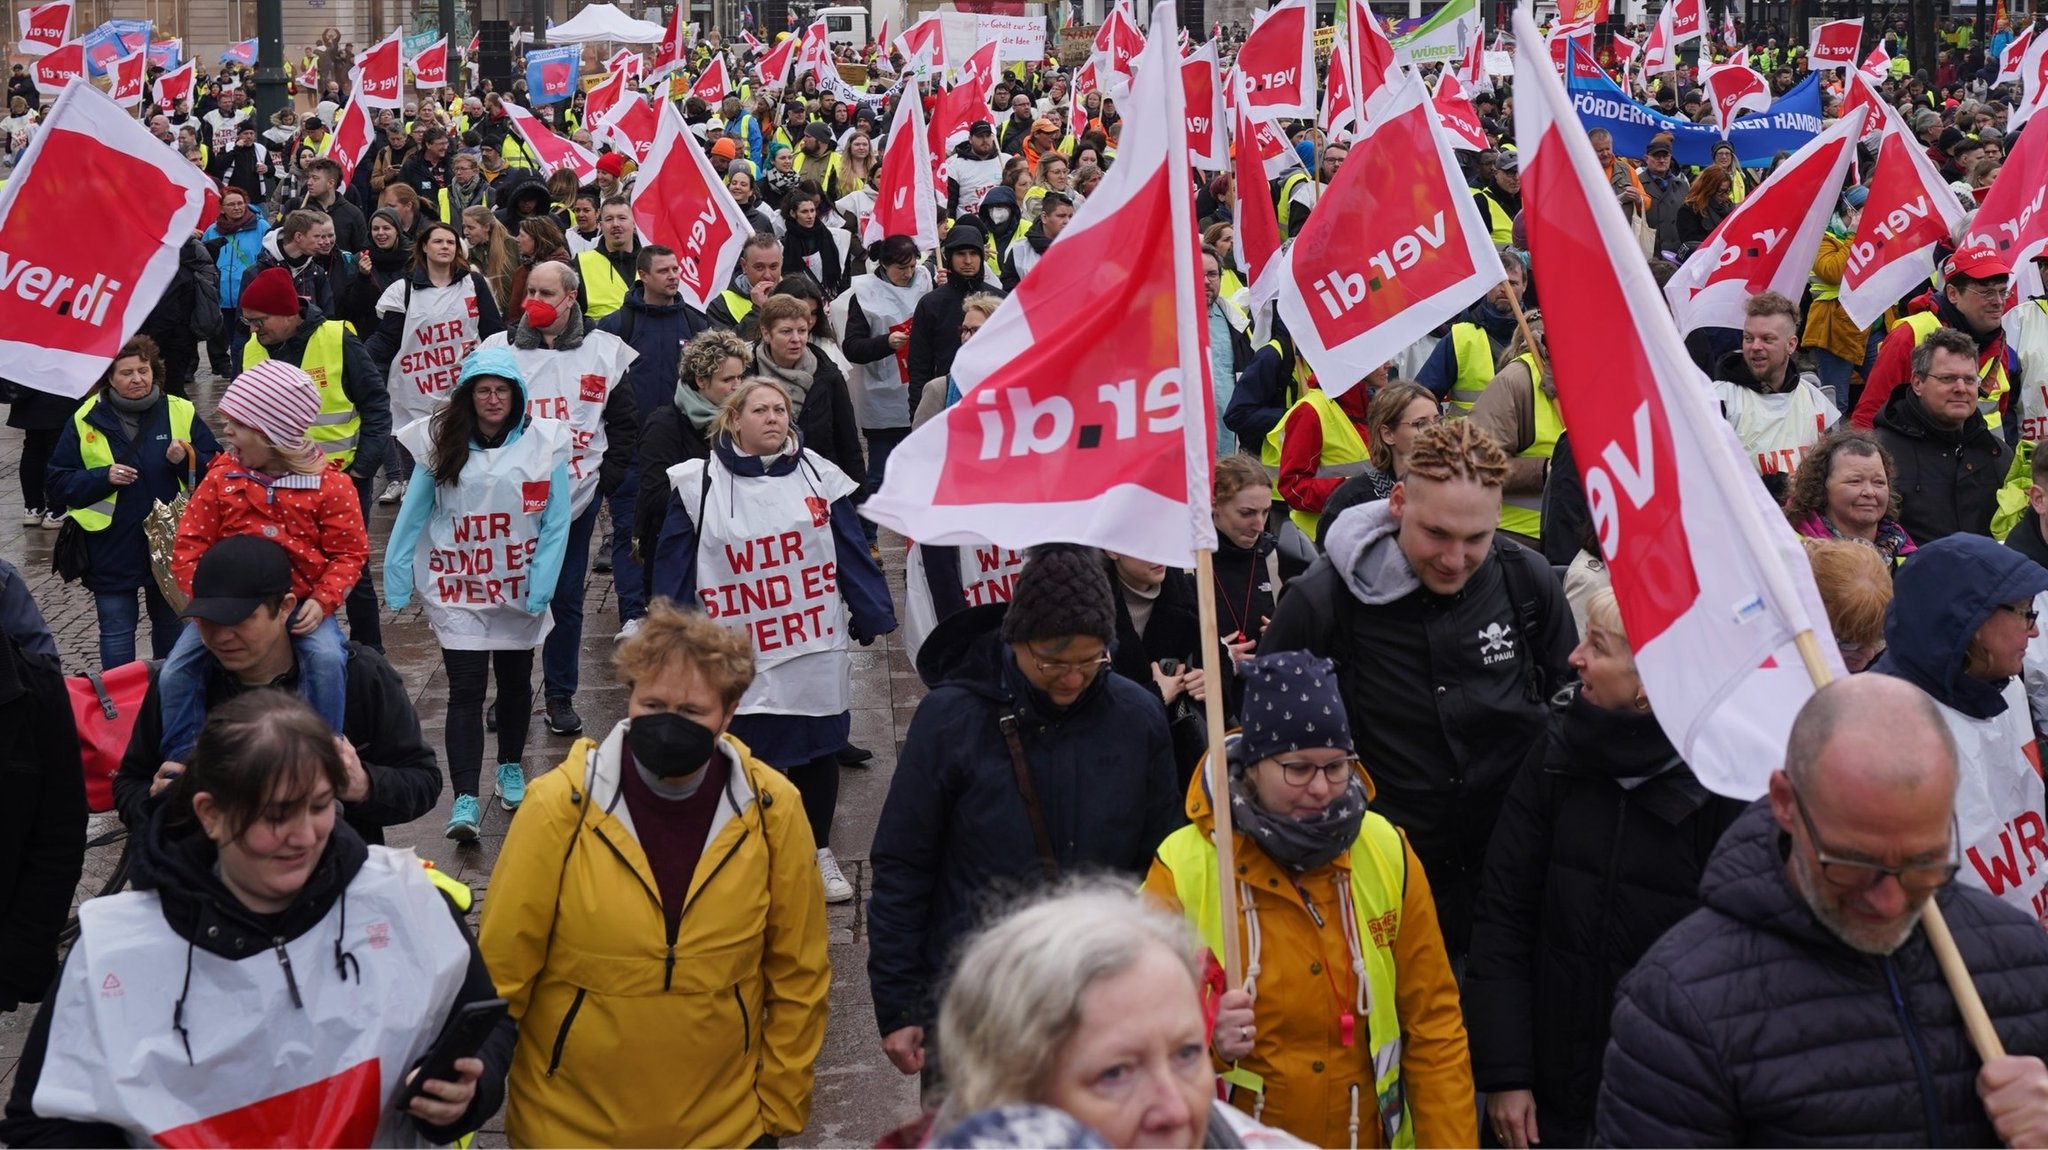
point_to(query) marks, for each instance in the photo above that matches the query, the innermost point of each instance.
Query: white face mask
(999, 215)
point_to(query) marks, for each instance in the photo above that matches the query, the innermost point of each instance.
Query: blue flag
(551, 73)
(240, 52)
(1786, 126)
(113, 40)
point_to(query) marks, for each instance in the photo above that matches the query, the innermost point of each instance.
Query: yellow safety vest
(830, 160)
(1232, 285)
(1523, 514)
(1378, 882)
(1344, 451)
(601, 283)
(1474, 351)
(339, 426)
(1287, 187)
(514, 153)
(1498, 221)
(736, 303)
(1993, 383)
(95, 451)
(1901, 66)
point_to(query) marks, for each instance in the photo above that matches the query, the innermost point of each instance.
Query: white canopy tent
(604, 22)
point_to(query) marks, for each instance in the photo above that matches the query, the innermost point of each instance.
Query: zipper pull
(668, 968)
(284, 959)
(1310, 903)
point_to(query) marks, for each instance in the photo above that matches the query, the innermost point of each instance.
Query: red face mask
(540, 313)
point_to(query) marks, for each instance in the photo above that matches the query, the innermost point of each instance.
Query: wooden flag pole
(1219, 772)
(1976, 1020)
(1543, 361)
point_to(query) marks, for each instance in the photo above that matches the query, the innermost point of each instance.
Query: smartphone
(1169, 666)
(462, 1038)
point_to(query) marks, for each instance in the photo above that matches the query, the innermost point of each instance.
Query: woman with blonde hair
(859, 164)
(1855, 585)
(1397, 414)
(762, 483)
(491, 252)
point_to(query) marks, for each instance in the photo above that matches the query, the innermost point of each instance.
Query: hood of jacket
(175, 859)
(498, 363)
(1362, 547)
(529, 192)
(966, 650)
(1942, 596)
(1000, 197)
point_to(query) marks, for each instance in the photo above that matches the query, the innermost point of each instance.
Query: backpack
(207, 320)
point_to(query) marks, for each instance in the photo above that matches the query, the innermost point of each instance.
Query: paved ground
(859, 1095)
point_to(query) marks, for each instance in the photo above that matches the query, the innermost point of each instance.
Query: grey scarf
(1300, 845)
(796, 379)
(698, 410)
(129, 412)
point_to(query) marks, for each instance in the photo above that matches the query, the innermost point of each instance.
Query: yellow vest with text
(601, 283)
(1523, 514)
(339, 426)
(1474, 352)
(95, 451)
(1344, 451)
(1378, 881)
(1992, 381)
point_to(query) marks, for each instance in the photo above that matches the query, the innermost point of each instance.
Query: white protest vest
(1998, 804)
(975, 178)
(440, 329)
(572, 386)
(767, 564)
(473, 565)
(2031, 318)
(263, 1071)
(1779, 429)
(987, 575)
(880, 396)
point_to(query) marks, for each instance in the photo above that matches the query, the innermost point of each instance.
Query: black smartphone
(463, 1037)
(1169, 666)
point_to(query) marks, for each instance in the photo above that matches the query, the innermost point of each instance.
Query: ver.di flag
(175, 86)
(376, 73)
(1909, 213)
(1768, 242)
(1256, 235)
(54, 71)
(674, 50)
(1203, 88)
(1395, 247)
(554, 152)
(71, 296)
(1278, 61)
(430, 67)
(551, 73)
(1084, 414)
(906, 202)
(1711, 581)
(712, 86)
(1834, 45)
(679, 201)
(125, 78)
(630, 125)
(43, 28)
(352, 135)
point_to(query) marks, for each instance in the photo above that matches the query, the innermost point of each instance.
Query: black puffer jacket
(1948, 479)
(954, 839)
(1599, 850)
(1750, 1024)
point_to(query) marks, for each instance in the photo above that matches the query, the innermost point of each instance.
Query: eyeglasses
(253, 320)
(967, 333)
(1424, 423)
(1298, 774)
(2028, 613)
(1989, 289)
(1058, 669)
(1850, 874)
(1956, 380)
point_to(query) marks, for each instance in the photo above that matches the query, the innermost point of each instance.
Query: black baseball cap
(981, 128)
(236, 576)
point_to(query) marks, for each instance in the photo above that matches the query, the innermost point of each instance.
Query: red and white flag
(1086, 80)
(310, 78)
(2013, 219)
(1909, 213)
(712, 86)
(552, 151)
(1278, 61)
(377, 74)
(2034, 81)
(1710, 579)
(1660, 53)
(1116, 45)
(1202, 89)
(125, 77)
(882, 37)
(1835, 45)
(1276, 157)
(1878, 64)
(1738, 58)
(1732, 88)
(171, 89)
(678, 200)
(815, 57)
(1085, 411)
(1768, 242)
(1456, 115)
(43, 28)
(352, 136)
(906, 200)
(674, 49)
(1562, 36)
(1372, 69)
(600, 100)
(773, 69)
(978, 74)
(1395, 247)
(2010, 60)
(1339, 112)
(923, 46)
(1471, 67)
(430, 67)
(1688, 20)
(54, 71)
(630, 125)
(631, 63)
(1256, 236)
(1625, 51)
(76, 294)
(1861, 92)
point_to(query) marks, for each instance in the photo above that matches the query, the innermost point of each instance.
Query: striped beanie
(276, 399)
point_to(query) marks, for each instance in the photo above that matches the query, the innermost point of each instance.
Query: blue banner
(551, 73)
(1788, 125)
(240, 52)
(167, 54)
(113, 40)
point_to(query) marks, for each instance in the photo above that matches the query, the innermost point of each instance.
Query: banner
(1395, 247)
(430, 67)
(376, 74)
(1711, 581)
(1278, 63)
(1786, 126)
(1909, 213)
(678, 200)
(1202, 94)
(1015, 37)
(906, 201)
(71, 296)
(43, 28)
(1085, 413)
(1444, 37)
(551, 73)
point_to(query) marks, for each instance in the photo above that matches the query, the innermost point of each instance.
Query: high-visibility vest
(1992, 381)
(1498, 221)
(514, 153)
(95, 451)
(1287, 187)
(1378, 881)
(339, 426)
(829, 159)
(1344, 451)
(738, 303)
(601, 283)
(1523, 514)
(1474, 351)
(1231, 286)
(1901, 66)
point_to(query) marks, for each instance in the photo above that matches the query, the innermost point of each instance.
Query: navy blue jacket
(118, 558)
(1260, 399)
(1943, 594)
(954, 837)
(658, 333)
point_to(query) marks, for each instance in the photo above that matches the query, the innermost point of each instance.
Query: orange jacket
(1303, 967)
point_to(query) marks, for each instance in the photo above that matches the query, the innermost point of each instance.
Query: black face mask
(670, 745)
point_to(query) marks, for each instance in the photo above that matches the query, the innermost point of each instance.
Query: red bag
(104, 707)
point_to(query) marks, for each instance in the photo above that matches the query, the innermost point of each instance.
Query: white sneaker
(53, 520)
(837, 889)
(393, 492)
(32, 517)
(626, 632)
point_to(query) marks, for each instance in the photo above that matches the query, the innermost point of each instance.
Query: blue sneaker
(462, 823)
(511, 785)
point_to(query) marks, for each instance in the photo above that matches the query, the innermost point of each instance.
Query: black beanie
(1063, 590)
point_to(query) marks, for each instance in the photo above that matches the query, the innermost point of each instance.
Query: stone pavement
(859, 1096)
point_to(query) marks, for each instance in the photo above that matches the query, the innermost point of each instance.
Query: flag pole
(1528, 338)
(1218, 767)
(1976, 1020)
